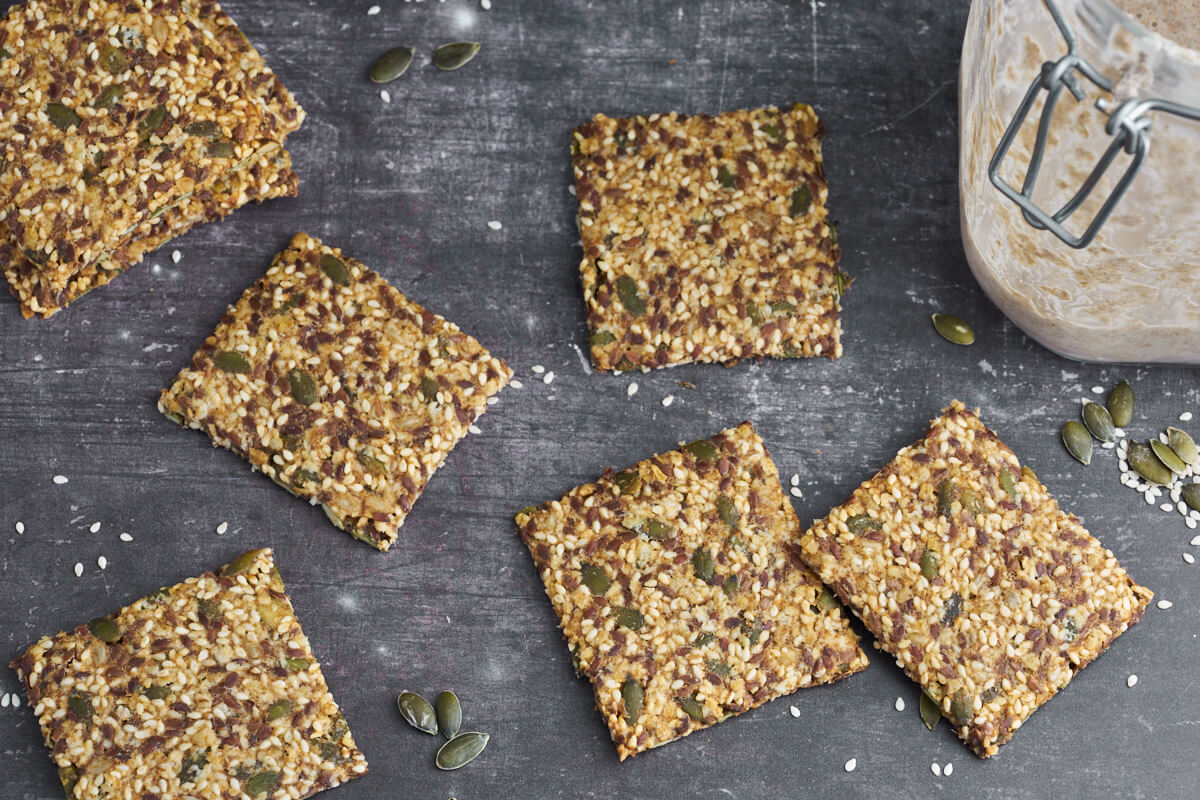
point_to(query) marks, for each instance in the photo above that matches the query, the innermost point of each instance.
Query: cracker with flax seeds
(705, 238)
(204, 689)
(968, 572)
(679, 595)
(338, 387)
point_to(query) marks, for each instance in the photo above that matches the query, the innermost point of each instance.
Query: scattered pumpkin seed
(627, 291)
(1183, 445)
(801, 201)
(241, 563)
(335, 268)
(947, 496)
(703, 450)
(931, 712)
(1099, 422)
(280, 708)
(113, 60)
(392, 64)
(1120, 404)
(451, 56)
(827, 600)
(594, 578)
(231, 361)
(962, 707)
(929, 564)
(692, 707)
(702, 562)
(632, 696)
(449, 713)
(304, 388)
(727, 511)
(1191, 495)
(417, 712)
(629, 618)
(861, 523)
(109, 97)
(1078, 441)
(461, 750)
(704, 639)
(953, 329)
(264, 783)
(80, 704)
(1146, 463)
(725, 177)
(154, 692)
(1168, 457)
(104, 629)
(63, 117)
(1008, 482)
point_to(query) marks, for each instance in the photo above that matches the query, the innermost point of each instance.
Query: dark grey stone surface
(408, 188)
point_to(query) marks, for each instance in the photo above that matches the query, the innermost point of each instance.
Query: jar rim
(1104, 31)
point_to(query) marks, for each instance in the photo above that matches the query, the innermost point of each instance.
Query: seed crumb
(495, 224)
(1131, 681)
(899, 703)
(936, 769)
(224, 526)
(631, 390)
(1164, 604)
(385, 95)
(95, 527)
(102, 562)
(795, 712)
(78, 569)
(537, 369)
(1185, 416)
(473, 429)
(60, 479)
(666, 401)
(948, 770)
(125, 537)
(176, 256)
(20, 527)
(851, 765)
(1189, 558)
(516, 384)
(372, 11)
(548, 378)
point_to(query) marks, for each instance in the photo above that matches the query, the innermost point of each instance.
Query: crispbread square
(338, 387)
(674, 581)
(205, 689)
(989, 595)
(705, 238)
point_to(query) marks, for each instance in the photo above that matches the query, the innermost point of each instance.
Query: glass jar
(1131, 294)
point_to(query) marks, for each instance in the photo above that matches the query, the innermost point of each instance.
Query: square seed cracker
(958, 560)
(338, 387)
(679, 595)
(705, 238)
(205, 689)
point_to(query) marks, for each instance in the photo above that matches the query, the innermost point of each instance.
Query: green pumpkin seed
(449, 713)
(772, 131)
(454, 55)
(1120, 404)
(628, 481)
(1183, 445)
(68, 776)
(370, 463)
(261, 784)
(335, 268)
(929, 564)
(205, 129)
(1146, 463)
(947, 496)
(627, 291)
(704, 639)
(1008, 482)
(109, 97)
(725, 177)
(429, 389)
(717, 666)
(657, 530)
(63, 117)
(304, 388)
(601, 338)
(113, 60)
(461, 750)
(1070, 630)
(594, 578)
(971, 502)
(801, 201)
(931, 712)
(80, 704)
(827, 600)
(629, 618)
(1099, 422)
(632, 696)
(104, 629)
(280, 708)
(231, 361)
(152, 121)
(1191, 495)
(702, 562)
(1078, 441)
(727, 511)
(861, 523)
(703, 450)
(962, 707)
(241, 563)
(952, 609)
(730, 586)
(156, 692)
(783, 307)
(417, 712)
(391, 65)
(692, 707)
(297, 664)
(1168, 457)
(221, 150)
(953, 329)
(193, 765)
(754, 312)
(209, 609)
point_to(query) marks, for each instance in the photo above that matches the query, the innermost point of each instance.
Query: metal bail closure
(1127, 124)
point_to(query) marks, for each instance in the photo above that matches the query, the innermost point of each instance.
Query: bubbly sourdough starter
(1134, 293)
(1178, 20)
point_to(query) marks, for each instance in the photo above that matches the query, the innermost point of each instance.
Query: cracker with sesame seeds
(678, 592)
(968, 572)
(705, 238)
(338, 387)
(205, 689)
(115, 113)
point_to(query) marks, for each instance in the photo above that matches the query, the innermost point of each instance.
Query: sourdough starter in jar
(1132, 295)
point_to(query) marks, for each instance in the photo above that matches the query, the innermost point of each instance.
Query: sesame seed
(491, 401)
(899, 703)
(548, 378)
(385, 95)
(60, 479)
(372, 11)
(1108, 445)
(1097, 390)
(1190, 522)
(573, 190)
(1189, 558)
(224, 526)
(1164, 604)
(631, 390)
(936, 769)
(537, 369)
(486, 5)
(666, 401)
(495, 224)
(20, 527)
(95, 527)
(795, 712)
(176, 256)
(851, 765)
(795, 492)
(516, 384)
(1131, 681)
(948, 770)
(1120, 434)
(78, 569)
(474, 429)
(1185, 416)
(795, 480)
(125, 537)
(1195, 542)
(1167, 506)
(102, 562)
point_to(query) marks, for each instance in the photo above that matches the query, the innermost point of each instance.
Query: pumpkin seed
(601, 338)
(725, 177)
(931, 712)
(297, 664)
(1008, 482)
(1168, 457)
(113, 60)
(704, 639)
(241, 563)
(594, 578)
(231, 361)
(430, 389)
(827, 600)
(1120, 404)
(627, 291)
(628, 481)
(730, 586)
(205, 129)
(929, 564)
(304, 388)
(68, 776)
(861, 523)
(153, 692)
(449, 713)
(209, 609)
(109, 97)
(632, 696)
(1183, 445)
(783, 307)
(947, 496)
(193, 765)
(391, 65)
(717, 666)
(801, 201)
(417, 712)
(335, 268)
(629, 618)
(703, 450)
(280, 708)
(952, 609)
(461, 750)
(261, 784)
(1146, 463)
(727, 511)
(772, 131)
(702, 562)
(221, 150)
(971, 502)
(80, 704)
(657, 530)
(953, 329)
(1099, 422)
(1191, 495)
(104, 629)
(962, 707)
(62, 116)
(152, 121)
(1078, 441)
(454, 55)
(692, 707)
(754, 312)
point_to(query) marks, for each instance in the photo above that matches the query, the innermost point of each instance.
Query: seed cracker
(338, 387)
(678, 593)
(705, 238)
(966, 570)
(205, 689)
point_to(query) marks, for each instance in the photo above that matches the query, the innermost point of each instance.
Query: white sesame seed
(60, 479)
(1097, 390)
(1108, 445)
(795, 479)
(491, 401)
(1150, 498)
(125, 537)
(1189, 558)
(1164, 604)
(516, 384)
(631, 390)
(1119, 433)
(95, 527)
(1185, 416)
(1190, 521)
(1131, 681)
(1195, 542)
(936, 769)
(1162, 437)
(548, 378)
(948, 770)
(899, 703)
(1182, 508)
(573, 190)
(16, 700)
(795, 712)
(666, 401)
(224, 526)
(78, 569)
(4, 701)
(795, 492)
(385, 95)
(102, 562)
(486, 5)
(176, 256)
(20, 527)
(1167, 506)
(537, 369)
(372, 11)
(495, 224)
(474, 429)
(851, 765)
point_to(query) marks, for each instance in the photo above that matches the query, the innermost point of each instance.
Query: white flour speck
(125, 537)
(666, 401)
(60, 479)
(224, 526)
(102, 562)
(851, 765)
(486, 5)
(987, 367)
(78, 569)
(20, 526)
(95, 527)
(495, 225)
(630, 391)
(548, 378)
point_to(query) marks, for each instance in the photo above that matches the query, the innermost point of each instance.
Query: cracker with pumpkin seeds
(114, 113)
(678, 593)
(205, 689)
(987, 593)
(705, 238)
(338, 387)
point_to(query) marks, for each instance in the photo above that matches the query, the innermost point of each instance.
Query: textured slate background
(408, 188)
